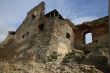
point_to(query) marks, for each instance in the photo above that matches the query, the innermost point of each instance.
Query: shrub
(53, 56)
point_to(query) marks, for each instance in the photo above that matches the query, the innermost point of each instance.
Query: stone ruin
(42, 37)
(42, 34)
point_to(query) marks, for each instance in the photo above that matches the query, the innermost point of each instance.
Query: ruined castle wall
(34, 45)
(40, 35)
(42, 41)
(79, 40)
(30, 24)
(62, 37)
(32, 38)
(99, 36)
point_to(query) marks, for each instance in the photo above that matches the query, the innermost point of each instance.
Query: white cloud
(83, 19)
(4, 28)
(2, 37)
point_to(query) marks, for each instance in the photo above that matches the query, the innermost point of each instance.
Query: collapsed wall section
(99, 31)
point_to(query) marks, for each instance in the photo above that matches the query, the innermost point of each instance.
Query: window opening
(88, 38)
(33, 16)
(41, 27)
(68, 35)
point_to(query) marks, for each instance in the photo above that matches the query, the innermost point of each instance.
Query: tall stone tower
(40, 35)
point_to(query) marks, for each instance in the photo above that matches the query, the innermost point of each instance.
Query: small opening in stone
(33, 16)
(41, 27)
(68, 36)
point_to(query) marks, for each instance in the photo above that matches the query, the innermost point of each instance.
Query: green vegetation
(75, 57)
(53, 56)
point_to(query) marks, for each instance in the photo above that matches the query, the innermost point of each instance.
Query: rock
(97, 57)
(75, 56)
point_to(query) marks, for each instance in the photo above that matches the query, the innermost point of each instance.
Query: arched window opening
(41, 27)
(88, 38)
(68, 36)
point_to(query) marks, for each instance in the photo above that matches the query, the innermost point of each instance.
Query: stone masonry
(42, 34)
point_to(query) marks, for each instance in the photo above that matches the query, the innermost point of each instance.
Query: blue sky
(13, 12)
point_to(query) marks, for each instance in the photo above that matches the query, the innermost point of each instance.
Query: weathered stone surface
(51, 67)
(48, 43)
(99, 30)
(99, 58)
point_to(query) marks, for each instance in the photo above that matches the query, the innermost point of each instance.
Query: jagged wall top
(40, 7)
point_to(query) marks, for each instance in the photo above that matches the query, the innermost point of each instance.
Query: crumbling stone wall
(62, 37)
(80, 32)
(99, 30)
(32, 38)
(41, 34)
(30, 24)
